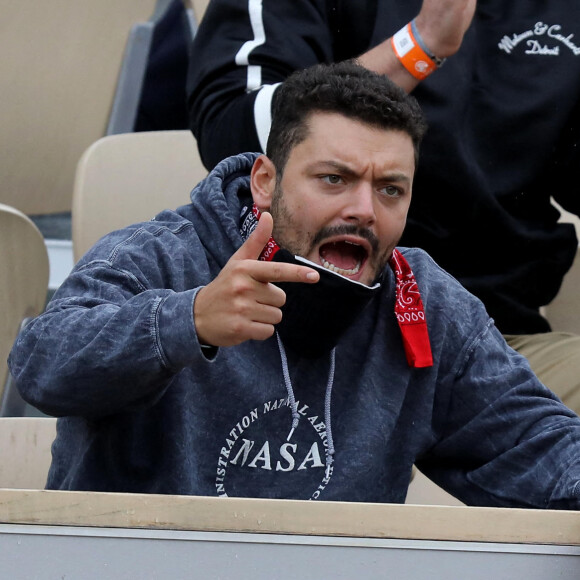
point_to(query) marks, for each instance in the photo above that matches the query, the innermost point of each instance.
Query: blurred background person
(499, 83)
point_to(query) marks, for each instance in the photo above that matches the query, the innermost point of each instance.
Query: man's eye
(332, 179)
(391, 191)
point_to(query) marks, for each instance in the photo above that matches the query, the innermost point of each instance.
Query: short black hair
(345, 88)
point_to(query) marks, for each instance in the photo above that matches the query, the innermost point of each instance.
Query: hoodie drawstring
(327, 402)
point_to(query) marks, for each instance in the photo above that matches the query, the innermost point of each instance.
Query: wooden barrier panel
(49, 534)
(454, 523)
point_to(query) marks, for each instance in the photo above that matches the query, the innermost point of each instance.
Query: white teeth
(340, 271)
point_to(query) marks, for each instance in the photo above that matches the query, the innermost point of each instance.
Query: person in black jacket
(504, 121)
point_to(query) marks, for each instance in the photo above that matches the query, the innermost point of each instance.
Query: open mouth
(343, 257)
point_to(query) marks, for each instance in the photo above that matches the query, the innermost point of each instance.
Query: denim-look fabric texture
(143, 409)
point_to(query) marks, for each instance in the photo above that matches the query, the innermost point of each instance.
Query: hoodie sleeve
(242, 50)
(505, 439)
(114, 334)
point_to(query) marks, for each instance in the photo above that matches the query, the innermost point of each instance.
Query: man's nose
(360, 205)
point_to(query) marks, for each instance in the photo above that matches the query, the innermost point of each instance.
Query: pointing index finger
(281, 272)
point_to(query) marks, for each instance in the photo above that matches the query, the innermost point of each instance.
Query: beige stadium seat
(422, 491)
(25, 451)
(563, 313)
(23, 279)
(59, 65)
(124, 179)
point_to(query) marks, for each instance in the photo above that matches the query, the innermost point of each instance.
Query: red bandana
(271, 247)
(409, 308)
(411, 314)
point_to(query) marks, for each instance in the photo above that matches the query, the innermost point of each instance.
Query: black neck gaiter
(314, 316)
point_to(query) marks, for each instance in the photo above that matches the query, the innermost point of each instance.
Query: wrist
(199, 319)
(421, 42)
(413, 53)
(435, 36)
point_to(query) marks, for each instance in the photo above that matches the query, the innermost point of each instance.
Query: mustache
(345, 230)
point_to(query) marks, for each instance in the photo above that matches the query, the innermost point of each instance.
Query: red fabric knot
(410, 314)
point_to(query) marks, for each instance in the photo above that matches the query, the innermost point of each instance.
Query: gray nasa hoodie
(143, 408)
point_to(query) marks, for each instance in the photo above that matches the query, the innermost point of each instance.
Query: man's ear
(263, 182)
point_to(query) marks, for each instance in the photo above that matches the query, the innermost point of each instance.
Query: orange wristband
(411, 55)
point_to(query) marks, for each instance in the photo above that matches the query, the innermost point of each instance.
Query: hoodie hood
(216, 206)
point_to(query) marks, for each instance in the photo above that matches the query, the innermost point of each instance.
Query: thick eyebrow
(342, 169)
(396, 177)
(336, 166)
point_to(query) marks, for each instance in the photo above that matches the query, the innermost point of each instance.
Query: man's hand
(242, 303)
(443, 23)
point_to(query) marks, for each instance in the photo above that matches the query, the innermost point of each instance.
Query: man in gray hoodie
(270, 340)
